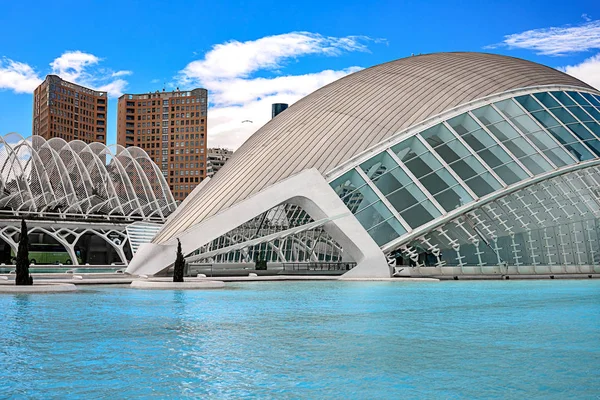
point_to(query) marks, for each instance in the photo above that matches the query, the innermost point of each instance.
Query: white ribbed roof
(346, 117)
(75, 179)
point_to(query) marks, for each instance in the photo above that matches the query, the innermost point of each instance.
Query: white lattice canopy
(74, 179)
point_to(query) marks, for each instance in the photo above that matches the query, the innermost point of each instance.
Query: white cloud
(114, 89)
(586, 17)
(121, 73)
(17, 76)
(73, 66)
(235, 59)
(81, 68)
(236, 95)
(557, 41)
(588, 71)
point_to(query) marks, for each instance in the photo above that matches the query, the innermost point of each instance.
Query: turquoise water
(366, 340)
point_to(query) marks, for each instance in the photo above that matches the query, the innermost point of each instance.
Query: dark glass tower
(277, 108)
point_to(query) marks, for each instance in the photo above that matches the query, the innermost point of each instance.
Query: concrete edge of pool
(37, 287)
(170, 285)
(7, 280)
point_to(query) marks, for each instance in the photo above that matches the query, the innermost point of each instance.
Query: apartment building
(171, 128)
(69, 111)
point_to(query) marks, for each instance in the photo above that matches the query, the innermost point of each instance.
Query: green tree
(23, 277)
(179, 266)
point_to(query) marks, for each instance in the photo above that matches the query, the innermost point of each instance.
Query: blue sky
(252, 53)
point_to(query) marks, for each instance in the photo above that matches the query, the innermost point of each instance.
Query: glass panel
(593, 112)
(413, 206)
(594, 127)
(529, 103)
(353, 191)
(456, 155)
(591, 99)
(563, 115)
(580, 114)
(547, 100)
(563, 98)
(563, 135)
(577, 97)
(383, 231)
(439, 182)
(406, 197)
(577, 149)
(490, 152)
(487, 115)
(509, 108)
(409, 149)
(463, 124)
(379, 166)
(579, 130)
(546, 120)
(367, 207)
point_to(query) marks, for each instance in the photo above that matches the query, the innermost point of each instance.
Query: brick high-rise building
(171, 128)
(69, 111)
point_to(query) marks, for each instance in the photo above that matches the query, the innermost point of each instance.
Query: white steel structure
(451, 163)
(67, 190)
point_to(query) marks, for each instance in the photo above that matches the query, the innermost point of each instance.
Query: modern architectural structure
(77, 196)
(449, 163)
(277, 108)
(217, 157)
(171, 128)
(68, 111)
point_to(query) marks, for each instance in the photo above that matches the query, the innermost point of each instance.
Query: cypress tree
(179, 266)
(23, 277)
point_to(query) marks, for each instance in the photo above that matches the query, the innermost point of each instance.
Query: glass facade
(461, 159)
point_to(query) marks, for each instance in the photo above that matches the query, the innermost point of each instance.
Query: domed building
(437, 164)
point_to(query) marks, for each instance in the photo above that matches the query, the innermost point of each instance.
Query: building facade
(438, 164)
(172, 128)
(217, 157)
(69, 111)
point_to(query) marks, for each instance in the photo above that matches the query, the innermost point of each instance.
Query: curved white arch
(55, 177)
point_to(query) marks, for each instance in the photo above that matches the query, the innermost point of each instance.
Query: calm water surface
(366, 340)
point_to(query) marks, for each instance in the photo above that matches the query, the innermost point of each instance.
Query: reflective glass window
(580, 114)
(579, 130)
(406, 197)
(529, 128)
(594, 127)
(520, 148)
(563, 98)
(579, 98)
(461, 160)
(430, 172)
(562, 135)
(529, 103)
(591, 99)
(489, 151)
(593, 112)
(487, 115)
(547, 100)
(350, 187)
(368, 209)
